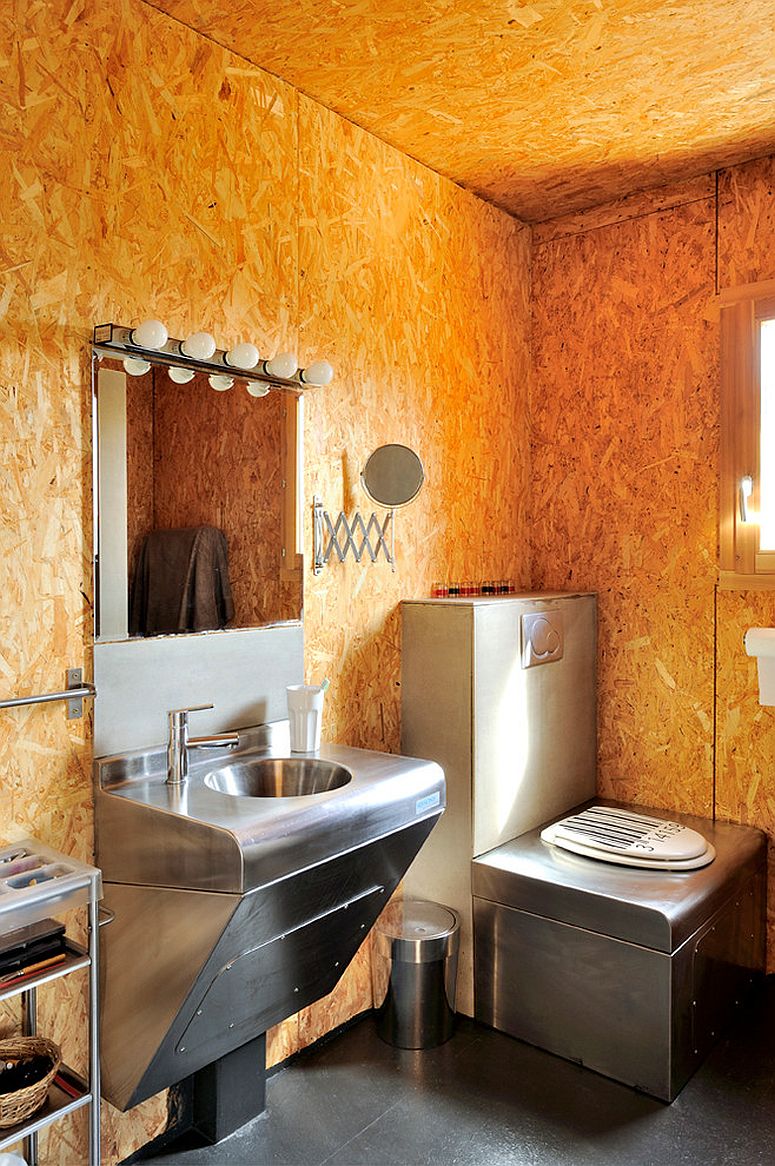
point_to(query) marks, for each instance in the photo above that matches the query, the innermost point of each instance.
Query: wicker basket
(15, 1107)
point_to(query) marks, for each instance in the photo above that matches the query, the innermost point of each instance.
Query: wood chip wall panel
(151, 173)
(625, 429)
(745, 786)
(418, 294)
(398, 264)
(657, 606)
(745, 783)
(543, 107)
(142, 169)
(746, 223)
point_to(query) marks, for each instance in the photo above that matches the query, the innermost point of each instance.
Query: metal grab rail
(74, 694)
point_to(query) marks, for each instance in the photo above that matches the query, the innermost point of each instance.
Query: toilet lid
(629, 839)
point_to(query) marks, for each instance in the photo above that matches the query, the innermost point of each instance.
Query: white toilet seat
(610, 834)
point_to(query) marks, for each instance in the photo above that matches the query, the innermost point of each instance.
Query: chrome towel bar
(76, 690)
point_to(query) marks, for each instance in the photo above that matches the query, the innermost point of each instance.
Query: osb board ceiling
(542, 108)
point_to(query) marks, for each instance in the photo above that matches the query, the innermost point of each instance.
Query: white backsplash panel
(242, 673)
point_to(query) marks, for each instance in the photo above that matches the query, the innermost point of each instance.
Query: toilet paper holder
(760, 642)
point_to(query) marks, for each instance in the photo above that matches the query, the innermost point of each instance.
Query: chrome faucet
(179, 742)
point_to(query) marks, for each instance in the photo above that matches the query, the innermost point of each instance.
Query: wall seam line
(716, 241)
(714, 741)
(617, 222)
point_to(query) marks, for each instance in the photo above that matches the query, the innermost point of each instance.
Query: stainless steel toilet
(631, 971)
(622, 942)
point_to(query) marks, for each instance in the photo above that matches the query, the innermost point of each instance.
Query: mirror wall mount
(120, 342)
(344, 534)
(392, 477)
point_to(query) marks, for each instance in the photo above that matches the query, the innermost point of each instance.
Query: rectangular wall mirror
(197, 504)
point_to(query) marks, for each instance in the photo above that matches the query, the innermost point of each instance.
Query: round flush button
(544, 639)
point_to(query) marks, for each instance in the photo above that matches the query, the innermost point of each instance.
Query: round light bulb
(149, 334)
(136, 368)
(319, 372)
(256, 389)
(243, 356)
(181, 376)
(283, 365)
(199, 346)
(220, 384)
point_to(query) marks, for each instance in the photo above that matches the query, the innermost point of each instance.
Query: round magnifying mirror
(393, 476)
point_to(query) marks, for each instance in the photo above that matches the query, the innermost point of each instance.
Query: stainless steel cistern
(179, 742)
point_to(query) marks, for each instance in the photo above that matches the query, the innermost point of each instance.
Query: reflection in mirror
(197, 505)
(393, 476)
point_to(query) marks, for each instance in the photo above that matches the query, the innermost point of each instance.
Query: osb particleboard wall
(397, 265)
(149, 172)
(625, 422)
(745, 782)
(541, 106)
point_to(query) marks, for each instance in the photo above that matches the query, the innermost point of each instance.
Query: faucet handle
(178, 718)
(192, 708)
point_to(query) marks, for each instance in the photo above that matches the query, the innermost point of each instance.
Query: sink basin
(278, 777)
(245, 908)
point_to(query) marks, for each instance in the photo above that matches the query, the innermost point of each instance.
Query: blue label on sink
(427, 803)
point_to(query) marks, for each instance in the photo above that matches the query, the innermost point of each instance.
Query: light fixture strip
(114, 340)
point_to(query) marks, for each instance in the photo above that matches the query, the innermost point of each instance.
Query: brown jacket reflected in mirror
(181, 583)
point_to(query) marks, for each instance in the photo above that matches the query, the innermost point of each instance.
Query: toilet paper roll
(760, 642)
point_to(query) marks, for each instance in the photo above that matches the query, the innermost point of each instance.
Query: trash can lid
(419, 931)
(415, 919)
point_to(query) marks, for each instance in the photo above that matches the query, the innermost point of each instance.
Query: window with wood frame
(747, 499)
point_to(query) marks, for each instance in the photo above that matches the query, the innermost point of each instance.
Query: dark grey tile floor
(484, 1099)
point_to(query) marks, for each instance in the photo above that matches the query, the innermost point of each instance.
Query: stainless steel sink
(241, 895)
(278, 777)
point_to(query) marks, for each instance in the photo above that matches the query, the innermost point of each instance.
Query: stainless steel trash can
(414, 970)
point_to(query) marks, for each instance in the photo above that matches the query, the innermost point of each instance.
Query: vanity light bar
(116, 340)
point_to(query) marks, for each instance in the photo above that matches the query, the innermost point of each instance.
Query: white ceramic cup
(305, 714)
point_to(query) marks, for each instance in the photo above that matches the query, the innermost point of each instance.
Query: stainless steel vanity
(233, 911)
(242, 891)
